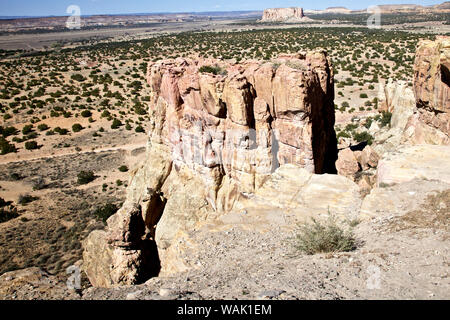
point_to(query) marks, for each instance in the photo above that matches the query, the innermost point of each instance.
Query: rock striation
(283, 15)
(218, 132)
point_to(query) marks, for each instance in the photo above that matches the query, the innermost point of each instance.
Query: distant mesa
(337, 10)
(294, 14)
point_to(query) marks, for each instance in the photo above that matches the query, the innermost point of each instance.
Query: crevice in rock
(324, 140)
(445, 75)
(223, 110)
(359, 147)
(250, 110)
(275, 146)
(151, 264)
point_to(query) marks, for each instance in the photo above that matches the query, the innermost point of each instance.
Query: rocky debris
(411, 162)
(34, 284)
(359, 166)
(218, 131)
(283, 15)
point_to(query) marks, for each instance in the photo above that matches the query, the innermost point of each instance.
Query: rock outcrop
(283, 15)
(420, 115)
(431, 83)
(218, 132)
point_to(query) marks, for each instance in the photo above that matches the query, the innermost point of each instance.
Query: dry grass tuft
(324, 237)
(434, 214)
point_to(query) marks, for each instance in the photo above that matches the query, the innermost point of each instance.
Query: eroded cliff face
(218, 132)
(432, 81)
(420, 115)
(283, 14)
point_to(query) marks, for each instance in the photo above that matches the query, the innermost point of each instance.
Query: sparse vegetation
(216, 70)
(323, 237)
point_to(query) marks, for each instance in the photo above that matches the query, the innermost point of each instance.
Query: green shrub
(77, 127)
(31, 145)
(27, 129)
(212, 69)
(139, 129)
(85, 177)
(86, 113)
(26, 199)
(43, 127)
(317, 237)
(78, 77)
(116, 124)
(140, 111)
(61, 131)
(386, 118)
(8, 131)
(103, 213)
(6, 147)
(123, 169)
(363, 136)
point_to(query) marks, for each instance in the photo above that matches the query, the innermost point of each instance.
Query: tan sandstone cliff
(218, 132)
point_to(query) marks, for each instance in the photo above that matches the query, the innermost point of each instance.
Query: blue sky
(58, 7)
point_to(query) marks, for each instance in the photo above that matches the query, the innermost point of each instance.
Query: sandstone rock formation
(419, 115)
(218, 132)
(283, 15)
(432, 81)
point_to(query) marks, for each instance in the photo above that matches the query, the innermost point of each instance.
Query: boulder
(347, 164)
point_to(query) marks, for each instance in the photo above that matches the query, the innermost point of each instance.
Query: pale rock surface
(414, 162)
